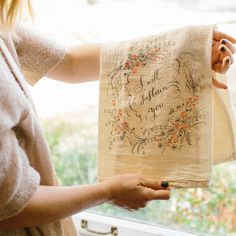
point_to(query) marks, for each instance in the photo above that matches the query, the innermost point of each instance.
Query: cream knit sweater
(24, 156)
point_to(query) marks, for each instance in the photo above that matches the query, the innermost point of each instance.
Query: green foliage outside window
(73, 144)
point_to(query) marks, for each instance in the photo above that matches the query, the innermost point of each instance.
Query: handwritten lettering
(152, 93)
(153, 112)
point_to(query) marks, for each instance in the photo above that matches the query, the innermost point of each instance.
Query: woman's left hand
(222, 55)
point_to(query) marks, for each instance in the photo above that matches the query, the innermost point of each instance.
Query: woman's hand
(133, 191)
(222, 50)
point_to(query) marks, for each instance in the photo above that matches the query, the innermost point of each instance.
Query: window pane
(69, 112)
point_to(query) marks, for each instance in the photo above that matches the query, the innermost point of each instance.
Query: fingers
(228, 44)
(218, 35)
(156, 185)
(153, 184)
(222, 49)
(218, 84)
(225, 52)
(222, 67)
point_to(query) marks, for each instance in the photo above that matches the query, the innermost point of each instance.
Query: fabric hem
(230, 158)
(188, 184)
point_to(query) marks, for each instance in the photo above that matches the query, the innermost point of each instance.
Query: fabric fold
(223, 125)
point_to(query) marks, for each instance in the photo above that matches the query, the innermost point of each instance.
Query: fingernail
(227, 60)
(222, 49)
(223, 41)
(164, 184)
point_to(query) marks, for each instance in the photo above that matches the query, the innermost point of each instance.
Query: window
(69, 112)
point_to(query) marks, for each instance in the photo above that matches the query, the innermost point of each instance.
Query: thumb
(161, 195)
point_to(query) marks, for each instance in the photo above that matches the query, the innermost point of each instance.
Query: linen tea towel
(155, 115)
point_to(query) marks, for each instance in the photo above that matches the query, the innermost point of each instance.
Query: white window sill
(125, 228)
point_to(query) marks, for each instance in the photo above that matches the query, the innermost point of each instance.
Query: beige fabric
(25, 160)
(223, 125)
(155, 115)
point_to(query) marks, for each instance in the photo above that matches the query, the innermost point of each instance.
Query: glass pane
(69, 112)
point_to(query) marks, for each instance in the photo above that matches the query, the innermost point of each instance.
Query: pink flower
(127, 65)
(134, 71)
(134, 56)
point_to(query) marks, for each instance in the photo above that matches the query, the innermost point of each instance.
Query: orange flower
(116, 129)
(137, 63)
(126, 124)
(177, 125)
(183, 114)
(189, 100)
(175, 139)
(185, 126)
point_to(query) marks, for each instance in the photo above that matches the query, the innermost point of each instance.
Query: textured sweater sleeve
(37, 54)
(18, 180)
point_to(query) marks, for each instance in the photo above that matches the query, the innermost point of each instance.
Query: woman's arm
(81, 64)
(52, 203)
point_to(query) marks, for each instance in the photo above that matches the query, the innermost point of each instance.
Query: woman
(31, 203)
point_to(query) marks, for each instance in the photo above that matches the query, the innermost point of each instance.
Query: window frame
(102, 223)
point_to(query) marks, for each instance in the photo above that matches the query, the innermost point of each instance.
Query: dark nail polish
(227, 61)
(164, 184)
(223, 41)
(222, 49)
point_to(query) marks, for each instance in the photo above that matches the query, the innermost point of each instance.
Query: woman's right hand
(132, 191)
